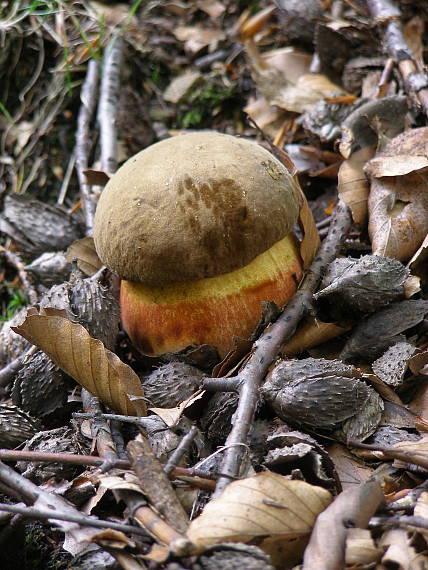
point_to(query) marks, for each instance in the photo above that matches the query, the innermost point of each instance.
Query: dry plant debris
(303, 444)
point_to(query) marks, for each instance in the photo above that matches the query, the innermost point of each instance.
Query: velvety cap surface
(193, 206)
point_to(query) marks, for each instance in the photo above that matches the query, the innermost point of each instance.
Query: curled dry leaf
(353, 185)
(283, 78)
(311, 240)
(398, 200)
(85, 359)
(360, 548)
(87, 258)
(310, 333)
(266, 505)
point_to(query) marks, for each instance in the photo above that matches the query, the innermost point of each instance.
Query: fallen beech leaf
(399, 552)
(421, 507)
(196, 38)
(360, 548)
(398, 200)
(283, 78)
(265, 505)
(350, 470)
(310, 333)
(85, 359)
(418, 264)
(311, 240)
(87, 258)
(353, 185)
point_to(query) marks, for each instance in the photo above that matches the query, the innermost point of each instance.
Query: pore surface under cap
(193, 206)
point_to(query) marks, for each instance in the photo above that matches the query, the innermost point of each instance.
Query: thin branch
(181, 449)
(387, 14)
(88, 97)
(47, 514)
(14, 259)
(268, 347)
(108, 106)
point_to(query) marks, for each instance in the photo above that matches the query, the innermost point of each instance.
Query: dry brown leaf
(85, 359)
(350, 470)
(311, 240)
(213, 8)
(283, 78)
(360, 548)
(196, 38)
(265, 505)
(398, 203)
(83, 250)
(418, 264)
(399, 551)
(397, 165)
(268, 118)
(421, 507)
(310, 333)
(353, 185)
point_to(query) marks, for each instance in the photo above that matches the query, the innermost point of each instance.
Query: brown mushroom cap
(193, 206)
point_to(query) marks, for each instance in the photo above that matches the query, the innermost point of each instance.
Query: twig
(412, 457)
(14, 259)
(88, 97)
(48, 514)
(156, 485)
(108, 106)
(403, 521)
(181, 449)
(387, 14)
(268, 346)
(141, 422)
(66, 180)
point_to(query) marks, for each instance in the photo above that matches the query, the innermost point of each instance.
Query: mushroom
(199, 229)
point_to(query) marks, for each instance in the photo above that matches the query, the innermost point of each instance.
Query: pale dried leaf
(268, 118)
(311, 240)
(398, 214)
(264, 505)
(421, 507)
(398, 165)
(283, 78)
(360, 547)
(196, 38)
(399, 550)
(85, 359)
(309, 334)
(110, 538)
(418, 263)
(350, 470)
(213, 8)
(83, 250)
(353, 185)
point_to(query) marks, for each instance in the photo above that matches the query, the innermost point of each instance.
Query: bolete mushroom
(199, 228)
